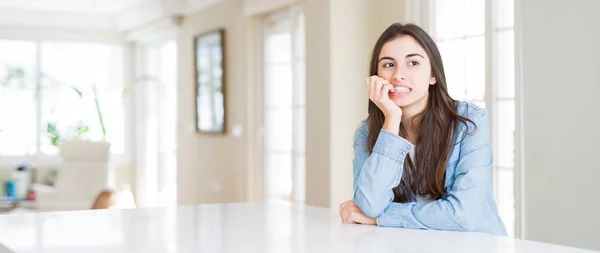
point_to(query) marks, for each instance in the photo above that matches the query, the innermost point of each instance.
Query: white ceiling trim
(140, 14)
(44, 19)
(155, 10)
(86, 6)
(164, 29)
(61, 34)
(256, 7)
(197, 5)
(136, 17)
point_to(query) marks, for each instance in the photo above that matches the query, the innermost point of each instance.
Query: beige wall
(340, 35)
(318, 82)
(352, 25)
(212, 168)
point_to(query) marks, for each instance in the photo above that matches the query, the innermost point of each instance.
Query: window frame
(259, 180)
(421, 13)
(39, 36)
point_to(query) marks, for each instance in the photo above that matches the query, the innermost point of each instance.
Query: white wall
(560, 120)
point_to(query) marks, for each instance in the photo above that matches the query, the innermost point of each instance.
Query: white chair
(82, 176)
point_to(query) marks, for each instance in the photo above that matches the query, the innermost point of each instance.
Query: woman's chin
(401, 102)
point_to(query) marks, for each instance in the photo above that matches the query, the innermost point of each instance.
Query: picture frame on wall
(209, 82)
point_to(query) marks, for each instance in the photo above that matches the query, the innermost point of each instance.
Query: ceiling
(89, 6)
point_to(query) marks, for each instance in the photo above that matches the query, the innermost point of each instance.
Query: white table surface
(248, 228)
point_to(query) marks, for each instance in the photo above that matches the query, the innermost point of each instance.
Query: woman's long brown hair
(436, 125)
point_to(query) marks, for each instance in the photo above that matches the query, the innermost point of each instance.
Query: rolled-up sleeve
(378, 172)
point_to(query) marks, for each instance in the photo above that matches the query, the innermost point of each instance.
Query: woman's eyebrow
(411, 55)
(386, 58)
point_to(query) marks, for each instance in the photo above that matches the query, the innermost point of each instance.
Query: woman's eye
(388, 65)
(413, 63)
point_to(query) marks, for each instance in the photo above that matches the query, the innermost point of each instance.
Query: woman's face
(405, 64)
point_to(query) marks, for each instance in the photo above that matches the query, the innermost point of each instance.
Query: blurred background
(180, 102)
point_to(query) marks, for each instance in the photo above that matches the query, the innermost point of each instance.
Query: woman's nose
(400, 74)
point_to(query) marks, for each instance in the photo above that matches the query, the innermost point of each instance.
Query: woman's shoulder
(362, 128)
(469, 110)
(362, 131)
(477, 129)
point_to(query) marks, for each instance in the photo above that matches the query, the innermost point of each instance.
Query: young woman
(422, 160)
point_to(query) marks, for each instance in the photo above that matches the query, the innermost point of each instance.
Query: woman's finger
(374, 88)
(369, 85)
(344, 213)
(385, 91)
(342, 206)
(377, 88)
(347, 218)
(351, 219)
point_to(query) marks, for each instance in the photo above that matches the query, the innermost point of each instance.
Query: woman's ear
(432, 81)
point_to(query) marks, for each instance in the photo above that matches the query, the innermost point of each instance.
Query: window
(461, 40)
(156, 122)
(284, 106)
(477, 48)
(18, 110)
(504, 102)
(45, 82)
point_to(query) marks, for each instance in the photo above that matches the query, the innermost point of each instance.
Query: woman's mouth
(400, 89)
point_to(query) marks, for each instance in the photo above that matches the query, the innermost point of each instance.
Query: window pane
(278, 85)
(479, 103)
(279, 129)
(168, 96)
(506, 64)
(475, 68)
(284, 101)
(447, 23)
(300, 129)
(506, 133)
(453, 56)
(70, 71)
(17, 98)
(506, 199)
(505, 13)
(278, 48)
(300, 84)
(300, 38)
(300, 179)
(279, 175)
(474, 17)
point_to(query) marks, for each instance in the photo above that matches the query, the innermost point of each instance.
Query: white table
(248, 228)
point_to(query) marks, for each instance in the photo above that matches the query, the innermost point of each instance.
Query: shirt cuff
(396, 215)
(392, 146)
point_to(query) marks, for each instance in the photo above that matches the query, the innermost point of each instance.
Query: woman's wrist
(392, 125)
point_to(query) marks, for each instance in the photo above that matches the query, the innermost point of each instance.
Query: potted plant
(73, 142)
(59, 135)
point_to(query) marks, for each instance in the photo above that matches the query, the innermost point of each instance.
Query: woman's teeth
(401, 89)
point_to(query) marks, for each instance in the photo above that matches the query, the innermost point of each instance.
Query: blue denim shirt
(469, 203)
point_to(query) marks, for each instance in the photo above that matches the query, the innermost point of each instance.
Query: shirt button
(403, 153)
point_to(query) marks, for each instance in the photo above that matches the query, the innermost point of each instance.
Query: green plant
(100, 119)
(53, 133)
(13, 75)
(79, 130)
